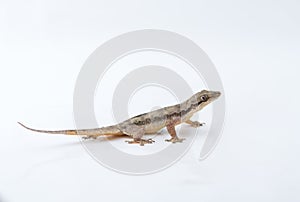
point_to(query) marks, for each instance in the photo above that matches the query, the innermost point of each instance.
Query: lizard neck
(188, 108)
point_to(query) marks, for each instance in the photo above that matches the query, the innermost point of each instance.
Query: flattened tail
(109, 130)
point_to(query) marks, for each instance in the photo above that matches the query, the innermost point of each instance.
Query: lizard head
(205, 97)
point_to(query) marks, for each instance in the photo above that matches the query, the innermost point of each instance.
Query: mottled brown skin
(151, 122)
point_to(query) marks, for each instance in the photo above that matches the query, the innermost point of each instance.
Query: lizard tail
(109, 130)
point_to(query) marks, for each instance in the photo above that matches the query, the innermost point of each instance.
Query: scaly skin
(151, 122)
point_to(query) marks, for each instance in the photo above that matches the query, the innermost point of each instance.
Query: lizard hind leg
(87, 137)
(136, 133)
(140, 141)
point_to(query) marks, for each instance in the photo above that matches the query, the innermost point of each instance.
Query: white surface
(255, 47)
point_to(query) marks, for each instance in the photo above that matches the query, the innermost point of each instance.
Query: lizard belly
(153, 128)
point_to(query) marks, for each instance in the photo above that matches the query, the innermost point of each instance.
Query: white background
(255, 47)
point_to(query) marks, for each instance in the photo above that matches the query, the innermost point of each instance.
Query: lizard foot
(142, 142)
(196, 124)
(175, 139)
(89, 137)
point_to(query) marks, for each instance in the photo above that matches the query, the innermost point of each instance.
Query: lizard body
(151, 122)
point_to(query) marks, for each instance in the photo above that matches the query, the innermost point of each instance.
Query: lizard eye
(203, 98)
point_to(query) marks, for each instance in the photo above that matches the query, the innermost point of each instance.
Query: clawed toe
(197, 124)
(150, 141)
(175, 139)
(89, 137)
(142, 142)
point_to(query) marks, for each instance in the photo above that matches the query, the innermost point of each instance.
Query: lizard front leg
(194, 124)
(172, 132)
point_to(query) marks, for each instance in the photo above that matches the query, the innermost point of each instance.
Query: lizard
(149, 123)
